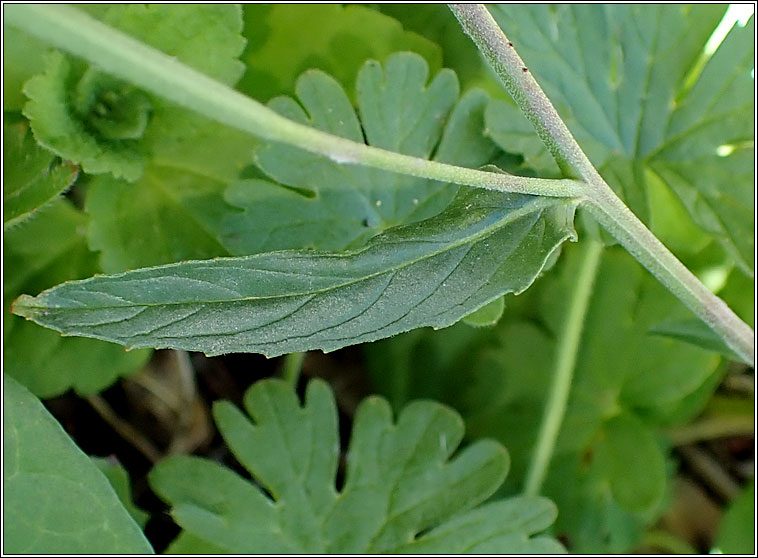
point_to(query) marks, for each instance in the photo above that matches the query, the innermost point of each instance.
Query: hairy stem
(129, 59)
(633, 235)
(604, 204)
(564, 362)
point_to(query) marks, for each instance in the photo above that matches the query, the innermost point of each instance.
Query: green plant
(350, 225)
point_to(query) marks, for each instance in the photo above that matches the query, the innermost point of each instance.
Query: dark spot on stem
(509, 44)
(524, 70)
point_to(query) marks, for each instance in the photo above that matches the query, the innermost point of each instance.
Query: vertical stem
(516, 78)
(565, 361)
(292, 365)
(604, 204)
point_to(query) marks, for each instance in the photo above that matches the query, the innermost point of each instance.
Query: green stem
(633, 235)
(604, 205)
(565, 361)
(292, 366)
(124, 57)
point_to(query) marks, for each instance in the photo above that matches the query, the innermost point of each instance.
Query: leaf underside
(426, 274)
(398, 483)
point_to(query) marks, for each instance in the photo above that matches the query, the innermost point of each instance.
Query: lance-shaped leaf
(400, 482)
(430, 273)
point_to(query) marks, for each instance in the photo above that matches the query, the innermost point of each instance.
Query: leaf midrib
(538, 204)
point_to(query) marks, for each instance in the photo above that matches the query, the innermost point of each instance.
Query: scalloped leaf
(333, 38)
(108, 126)
(321, 204)
(627, 384)
(402, 491)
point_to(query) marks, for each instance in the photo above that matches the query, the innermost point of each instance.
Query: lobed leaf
(399, 483)
(437, 23)
(332, 38)
(633, 88)
(627, 384)
(108, 126)
(55, 499)
(430, 273)
(319, 203)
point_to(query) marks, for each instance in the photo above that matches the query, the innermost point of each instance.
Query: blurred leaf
(487, 315)
(626, 88)
(398, 482)
(23, 56)
(696, 332)
(187, 543)
(736, 533)
(32, 176)
(633, 462)
(119, 479)
(438, 24)
(739, 294)
(55, 500)
(41, 252)
(332, 38)
(328, 206)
